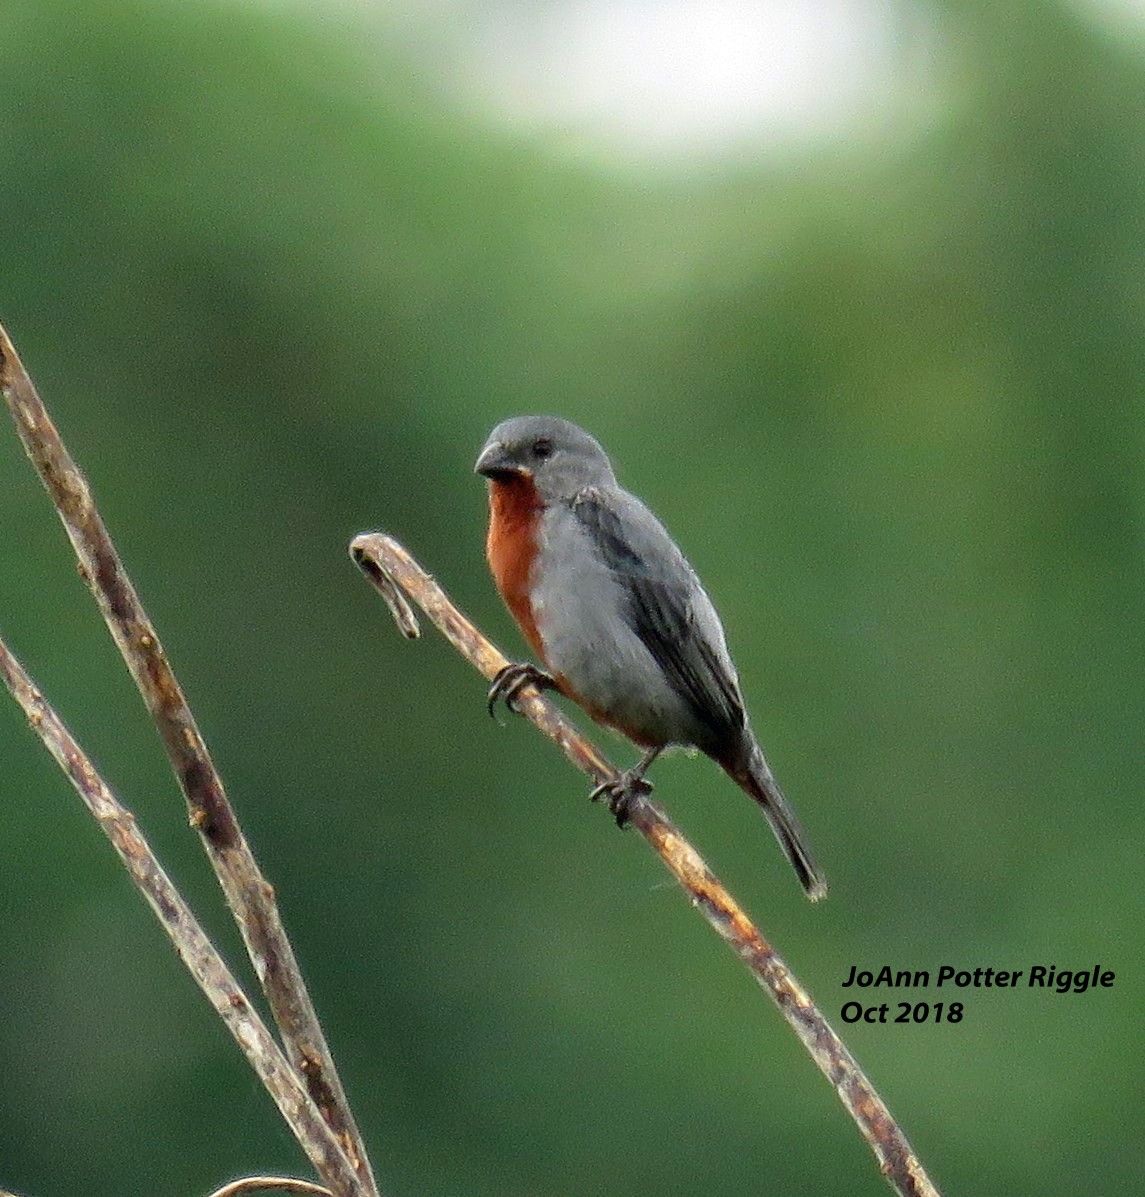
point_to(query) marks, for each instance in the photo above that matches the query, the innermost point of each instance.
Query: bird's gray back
(626, 621)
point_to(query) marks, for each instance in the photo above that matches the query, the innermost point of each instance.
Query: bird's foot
(621, 792)
(509, 681)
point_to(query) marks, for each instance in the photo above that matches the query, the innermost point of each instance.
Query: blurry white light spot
(691, 76)
(1122, 18)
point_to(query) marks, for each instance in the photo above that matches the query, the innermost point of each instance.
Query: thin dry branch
(396, 574)
(248, 894)
(206, 966)
(275, 1184)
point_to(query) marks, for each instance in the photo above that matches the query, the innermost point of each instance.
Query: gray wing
(667, 606)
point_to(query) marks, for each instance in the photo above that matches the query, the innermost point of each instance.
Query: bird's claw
(620, 793)
(509, 681)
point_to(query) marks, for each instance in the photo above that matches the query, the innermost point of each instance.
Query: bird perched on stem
(617, 616)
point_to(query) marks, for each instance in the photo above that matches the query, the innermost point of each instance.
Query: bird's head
(556, 457)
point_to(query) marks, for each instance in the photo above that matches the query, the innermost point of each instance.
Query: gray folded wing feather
(668, 608)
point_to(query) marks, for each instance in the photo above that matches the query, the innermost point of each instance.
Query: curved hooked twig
(399, 578)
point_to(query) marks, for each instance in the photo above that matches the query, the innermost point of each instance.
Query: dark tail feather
(755, 779)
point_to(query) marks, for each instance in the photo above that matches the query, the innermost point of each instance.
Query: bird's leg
(629, 785)
(509, 681)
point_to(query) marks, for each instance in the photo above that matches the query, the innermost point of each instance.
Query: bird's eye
(542, 447)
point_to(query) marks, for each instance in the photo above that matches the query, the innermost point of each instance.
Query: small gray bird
(617, 616)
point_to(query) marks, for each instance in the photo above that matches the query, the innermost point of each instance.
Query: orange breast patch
(511, 547)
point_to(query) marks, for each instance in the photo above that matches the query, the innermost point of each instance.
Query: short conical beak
(494, 461)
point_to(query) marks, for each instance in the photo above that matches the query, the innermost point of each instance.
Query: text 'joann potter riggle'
(1038, 976)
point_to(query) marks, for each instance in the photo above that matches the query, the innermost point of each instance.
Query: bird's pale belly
(604, 666)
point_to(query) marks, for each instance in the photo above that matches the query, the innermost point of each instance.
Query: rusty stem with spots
(398, 576)
(195, 949)
(248, 894)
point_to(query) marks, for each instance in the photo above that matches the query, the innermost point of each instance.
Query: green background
(888, 396)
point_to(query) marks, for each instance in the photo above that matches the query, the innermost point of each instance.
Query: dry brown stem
(248, 894)
(202, 960)
(394, 572)
(260, 1184)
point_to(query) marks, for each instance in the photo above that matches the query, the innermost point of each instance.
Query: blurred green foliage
(275, 291)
